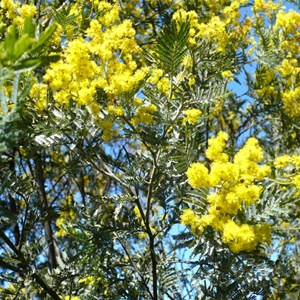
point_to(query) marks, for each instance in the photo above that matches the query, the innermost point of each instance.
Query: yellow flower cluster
(17, 12)
(290, 71)
(263, 6)
(38, 92)
(119, 73)
(66, 215)
(72, 78)
(106, 125)
(266, 89)
(245, 237)
(157, 78)
(287, 26)
(289, 67)
(291, 101)
(89, 280)
(282, 161)
(115, 110)
(288, 21)
(223, 26)
(232, 185)
(144, 115)
(227, 74)
(103, 58)
(8, 8)
(192, 116)
(216, 148)
(215, 30)
(284, 37)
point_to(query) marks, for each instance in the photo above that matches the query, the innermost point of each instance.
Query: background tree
(149, 149)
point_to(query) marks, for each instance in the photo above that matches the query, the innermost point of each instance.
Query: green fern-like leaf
(273, 202)
(197, 199)
(62, 17)
(171, 46)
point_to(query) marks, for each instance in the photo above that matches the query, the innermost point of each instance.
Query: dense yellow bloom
(9, 7)
(295, 160)
(27, 11)
(17, 12)
(223, 27)
(248, 193)
(71, 79)
(234, 185)
(284, 40)
(216, 147)
(291, 101)
(116, 111)
(39, 93)
(188, 218)
(282, 161)
(287, 27)
(215, 30)
(251, 152)
(289, 22)
(110, 13)
(197, 175)
(222, 171)
(192, 116)
(245, 237)
(290, 94)
(240, 238)
(289, 67)
(102, 59)
(265, 6)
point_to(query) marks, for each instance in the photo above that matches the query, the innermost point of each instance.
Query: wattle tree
(149, 149)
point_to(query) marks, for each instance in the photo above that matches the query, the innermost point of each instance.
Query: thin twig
(135, 267)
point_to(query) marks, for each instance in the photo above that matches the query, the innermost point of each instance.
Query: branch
(4, 264)
(154, 266)
(45, 287)
(22, 236)
(135, 268)
(25, 265)
(39, 174)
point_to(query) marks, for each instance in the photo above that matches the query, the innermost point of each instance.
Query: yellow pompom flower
(216, 146)
(282, 161)
(197, 175)
(189, 218)
(239, 238)
(251, 152)
(145, 115)
(192, 116)
(116, 111)
(227, 74)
